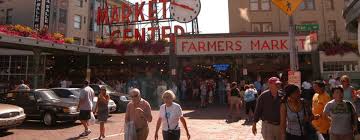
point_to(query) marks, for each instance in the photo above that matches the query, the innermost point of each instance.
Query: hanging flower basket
(335, 47)
(25, 31)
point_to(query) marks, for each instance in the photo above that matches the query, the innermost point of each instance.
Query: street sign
(294, 77)
(287, 6)
(307, 27)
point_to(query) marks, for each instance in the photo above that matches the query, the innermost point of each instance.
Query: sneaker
(83, 134)
(88, 132)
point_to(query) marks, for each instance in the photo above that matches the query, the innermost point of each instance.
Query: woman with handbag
(292, 115)
(342, 115)
(170, 114)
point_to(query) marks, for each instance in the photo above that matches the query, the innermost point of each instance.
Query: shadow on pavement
(4, 134)
(37, 125)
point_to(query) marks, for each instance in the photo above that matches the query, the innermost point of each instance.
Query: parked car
(121, 100)
(44, 105)
(10, 116)
(73, 95)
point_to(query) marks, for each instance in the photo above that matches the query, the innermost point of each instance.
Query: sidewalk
(210, 124)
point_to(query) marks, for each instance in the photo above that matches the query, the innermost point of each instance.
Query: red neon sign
(137, 11)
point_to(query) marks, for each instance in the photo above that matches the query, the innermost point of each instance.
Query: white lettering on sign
(235, 45)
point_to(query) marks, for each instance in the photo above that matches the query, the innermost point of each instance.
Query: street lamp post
(294, 64)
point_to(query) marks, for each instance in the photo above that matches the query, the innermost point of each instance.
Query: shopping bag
(92, 119)
(130, 131)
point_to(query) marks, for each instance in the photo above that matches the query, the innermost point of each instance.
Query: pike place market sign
(182, 11)
(236, 45)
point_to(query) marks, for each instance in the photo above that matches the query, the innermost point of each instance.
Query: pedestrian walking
(22, 86)
(268, 110)
(170, 115)
(138, 112)
(210, 91)
(235, 101)
(102, 111)
(250, 101)
(183, 89)
(203, 94)
(348, 90)
(85, 107)
(320, 122)
(221, 90)
(228, 92)
(292, 115)
(258, 84)
(342, 115)
(307, 91)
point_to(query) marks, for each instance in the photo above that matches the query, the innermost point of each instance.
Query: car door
(27, 101)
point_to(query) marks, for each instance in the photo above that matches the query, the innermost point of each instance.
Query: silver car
(10, 116)
(73, 94)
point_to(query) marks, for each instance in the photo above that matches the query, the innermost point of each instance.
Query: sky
(213, 17)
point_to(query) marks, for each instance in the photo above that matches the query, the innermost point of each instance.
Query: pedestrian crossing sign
(287, 6)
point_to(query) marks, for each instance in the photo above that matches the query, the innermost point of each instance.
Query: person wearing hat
(85, 107)
(268, 110)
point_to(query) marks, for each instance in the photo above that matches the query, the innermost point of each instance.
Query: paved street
(204, 124)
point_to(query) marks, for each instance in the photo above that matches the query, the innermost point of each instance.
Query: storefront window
(341, 66)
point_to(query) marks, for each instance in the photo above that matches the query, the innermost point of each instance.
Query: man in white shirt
(85, 107)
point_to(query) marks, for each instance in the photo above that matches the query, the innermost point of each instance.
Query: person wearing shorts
(203, 94)
(85, 106)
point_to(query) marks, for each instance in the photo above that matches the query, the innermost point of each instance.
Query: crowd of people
(318, 109)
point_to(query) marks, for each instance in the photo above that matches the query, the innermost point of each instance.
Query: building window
(307, 5)
(261, 27)
(62, 16)
(79, 3)
(330, 4)
(77, 40)
(256, 5)
(352, 36)
(332, 28)
(340, 66)
(9, 16)
(77, 22)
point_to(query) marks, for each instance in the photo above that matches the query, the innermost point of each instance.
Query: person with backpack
(342, 114)
(250, 101)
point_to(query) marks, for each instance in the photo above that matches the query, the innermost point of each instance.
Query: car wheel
(49, 119)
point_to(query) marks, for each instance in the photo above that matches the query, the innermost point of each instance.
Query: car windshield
(48, 95)
(76, 92)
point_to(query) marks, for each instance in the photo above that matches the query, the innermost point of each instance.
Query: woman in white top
(170, 114)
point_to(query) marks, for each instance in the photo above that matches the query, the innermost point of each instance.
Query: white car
(73, 94)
